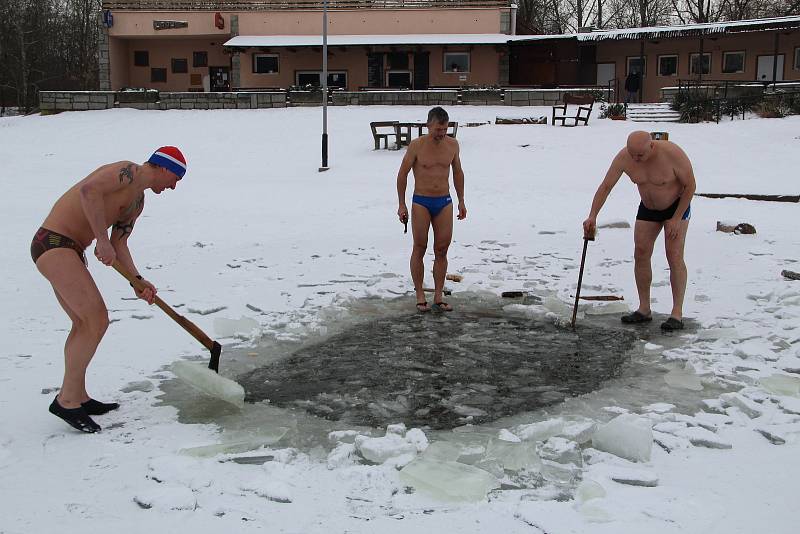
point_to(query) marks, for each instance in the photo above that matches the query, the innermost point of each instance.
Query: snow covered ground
(254, 226)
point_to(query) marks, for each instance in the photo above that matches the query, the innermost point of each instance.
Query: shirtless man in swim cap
(431, 157)
(111, 196)
(664, 176)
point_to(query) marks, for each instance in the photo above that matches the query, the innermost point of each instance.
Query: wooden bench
(582, 114)
(406, 127)
(394, 131)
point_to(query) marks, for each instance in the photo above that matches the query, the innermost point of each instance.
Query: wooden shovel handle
(185, 323)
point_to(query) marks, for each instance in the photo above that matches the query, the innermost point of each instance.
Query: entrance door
(220, 78)
(764, 70)
(421, 70)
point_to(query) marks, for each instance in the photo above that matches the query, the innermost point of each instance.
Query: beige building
(419, 44)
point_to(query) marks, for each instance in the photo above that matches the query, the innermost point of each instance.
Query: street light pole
(324, 166)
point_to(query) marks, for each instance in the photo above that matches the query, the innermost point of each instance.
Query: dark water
(441, 370)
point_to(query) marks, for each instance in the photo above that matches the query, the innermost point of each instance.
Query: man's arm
(458, 182)
(612, 177)
(402, 179)
(120, 232)
(685, 176)
(105, 180)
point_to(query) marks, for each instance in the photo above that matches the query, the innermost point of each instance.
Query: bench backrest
(578, 99)
(382, 124)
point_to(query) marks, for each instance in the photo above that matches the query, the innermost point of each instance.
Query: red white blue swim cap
(171, 159)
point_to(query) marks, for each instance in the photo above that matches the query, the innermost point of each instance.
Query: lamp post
(324, 166)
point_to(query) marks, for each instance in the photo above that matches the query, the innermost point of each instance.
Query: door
(422, 70)
(764, 69)
(220, 78)
(605, 73)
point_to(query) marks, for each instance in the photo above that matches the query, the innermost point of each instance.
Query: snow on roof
(245, 41)
(655, 32)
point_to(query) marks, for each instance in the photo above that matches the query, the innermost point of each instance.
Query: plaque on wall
(169, 24)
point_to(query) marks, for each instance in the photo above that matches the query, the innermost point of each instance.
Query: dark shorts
(646, 214)
(45, 240)
(433, 204)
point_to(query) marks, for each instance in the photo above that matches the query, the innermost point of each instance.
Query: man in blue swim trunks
(431, 157)
(664, 176)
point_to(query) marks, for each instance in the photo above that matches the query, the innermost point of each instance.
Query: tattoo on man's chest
(126, 172)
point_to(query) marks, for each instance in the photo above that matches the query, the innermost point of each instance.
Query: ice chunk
(199, 376)
(557, 306)
(343, 436)
(709, 334)
(578, 431)
(628, 436)
(251, 443)
(417, 437)
(164, 498)
(448, 480)
(750, 349)
(341, 455)
(736, 400)
(683, 379)
(562, 451)
(540, 431)
(589, 489)
(781, 384)
(513, 456)
(659, 407)
(608, 308)
(379, 450)
(225, 327)
(787, 404)
(634, 477)
(594, 512)
(700, 437)
(506, 435)
(442, 451)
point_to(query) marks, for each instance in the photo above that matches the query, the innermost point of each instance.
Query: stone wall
(56, 101)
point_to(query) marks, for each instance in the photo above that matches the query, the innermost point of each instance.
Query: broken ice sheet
(628, 436)
(225, 327)
(241, 444)
(448, 480)
(683, 378)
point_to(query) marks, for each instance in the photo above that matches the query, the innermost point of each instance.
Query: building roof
(266, 41)
(688, 30)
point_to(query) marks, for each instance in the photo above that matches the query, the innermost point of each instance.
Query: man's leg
(644, 237)
(677, 269)
(420, 223)
(81, 300)
(442, 236)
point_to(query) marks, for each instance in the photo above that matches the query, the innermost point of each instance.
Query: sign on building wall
(169, 24)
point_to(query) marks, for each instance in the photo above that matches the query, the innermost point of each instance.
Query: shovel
(186, 324)
(580, 278)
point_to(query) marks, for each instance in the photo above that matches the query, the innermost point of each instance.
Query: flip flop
(671, 325)
(423, 307)
(636, 318)
(442, 306)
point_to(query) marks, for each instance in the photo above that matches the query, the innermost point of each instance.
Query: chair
(582, 114)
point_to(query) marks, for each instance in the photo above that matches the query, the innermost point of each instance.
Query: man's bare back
(69, 218)
(432, 163)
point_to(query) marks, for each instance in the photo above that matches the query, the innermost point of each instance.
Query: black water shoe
(94, 407)
(671, 325)
(636, 318)
(75, 417)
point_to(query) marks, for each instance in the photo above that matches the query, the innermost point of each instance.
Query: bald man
(664, 176)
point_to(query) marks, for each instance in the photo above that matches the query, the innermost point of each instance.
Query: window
(180, 66)
(265, 63)
(398, 79)
(733, 62)
(141, 58)
(668, 65)
(398, 60)
(698, 66)
(199, 59)
(797, 59)
(314, 77)
(635, 65)
(158, 75)
(456, 62)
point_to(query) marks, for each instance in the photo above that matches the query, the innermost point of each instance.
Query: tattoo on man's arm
(124, 228)
(126, 172)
